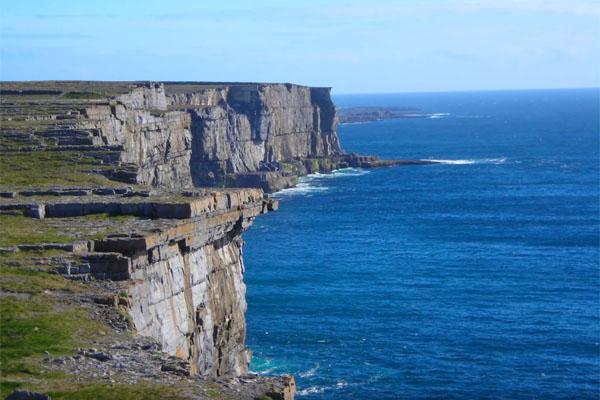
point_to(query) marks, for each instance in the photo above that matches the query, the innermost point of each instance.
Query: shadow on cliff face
(204, 172)
(258, 125)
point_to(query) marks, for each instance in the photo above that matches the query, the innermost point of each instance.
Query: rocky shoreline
(355, 115)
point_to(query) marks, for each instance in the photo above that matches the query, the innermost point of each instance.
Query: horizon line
(467, 91)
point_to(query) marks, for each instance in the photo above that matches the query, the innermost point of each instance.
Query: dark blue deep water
(478, 278)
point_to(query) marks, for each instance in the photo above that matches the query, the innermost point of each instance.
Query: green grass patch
(18, 229)
(50, 168)
(20, 279)
(28, 327)
(83, 96)
(34, 319)
(118, 392)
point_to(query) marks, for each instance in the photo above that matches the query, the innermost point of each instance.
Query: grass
(50, 168)
(35, 323)
(83, 96)
(36, 316)
(18, 229)
(17, 279)
(117, 392)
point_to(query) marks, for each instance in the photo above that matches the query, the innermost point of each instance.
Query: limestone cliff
(225, 135)
(178, 263)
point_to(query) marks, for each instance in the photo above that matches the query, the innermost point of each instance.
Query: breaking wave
(501, 160)
(302, 188)
(336, 174)
(321, 389)
(312, 183)
(309, 373)
(438, 115)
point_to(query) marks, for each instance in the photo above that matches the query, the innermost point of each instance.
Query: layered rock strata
(183, 268)
(179, 260)
(176, 135)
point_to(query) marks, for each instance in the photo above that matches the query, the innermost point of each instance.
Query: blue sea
(477, 278)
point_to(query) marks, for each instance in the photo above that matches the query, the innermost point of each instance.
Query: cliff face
(188, 291)
(154, 144)
(254, 128)
(177, 257)
(178, 263)
(238, 135)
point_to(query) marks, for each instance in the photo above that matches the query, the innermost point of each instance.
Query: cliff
(168, 261)
(182, 135)
(155, 265)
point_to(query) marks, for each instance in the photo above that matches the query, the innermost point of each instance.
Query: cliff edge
(137, 193)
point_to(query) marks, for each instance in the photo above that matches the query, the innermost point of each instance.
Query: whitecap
(453, 162)
(438, 115)
(302, 188)
(308, 184)
(310, 372)
(336, 173)
(266, 371)
(321, 389)
(500, 160)
(310, 390)
(350, 172)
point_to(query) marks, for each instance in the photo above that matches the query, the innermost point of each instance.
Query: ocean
(477, 278)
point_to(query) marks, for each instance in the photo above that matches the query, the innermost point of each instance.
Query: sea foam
(309, 184)
(500, 160)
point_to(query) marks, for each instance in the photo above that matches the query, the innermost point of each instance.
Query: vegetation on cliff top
(35, 319)
(18, 229)
(50, 168)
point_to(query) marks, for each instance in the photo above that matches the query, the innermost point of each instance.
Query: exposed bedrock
(187, 289)
(180, 259)
(177, 257)
(251, 135)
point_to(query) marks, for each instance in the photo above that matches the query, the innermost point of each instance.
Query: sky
(370, 46)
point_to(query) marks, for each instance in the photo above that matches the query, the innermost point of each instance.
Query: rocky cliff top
(114, 88)
(169, 135)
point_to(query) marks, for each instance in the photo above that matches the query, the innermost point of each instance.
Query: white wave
(310, 390)
(305, 184)
(467, 162)
(321, 389)
(310, 372)
(267, 371)
(454, 162)
(302, 188)
(350, 172)
(336, 173)
(438, 115)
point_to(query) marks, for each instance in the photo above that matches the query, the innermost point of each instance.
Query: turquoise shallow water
(478, 278)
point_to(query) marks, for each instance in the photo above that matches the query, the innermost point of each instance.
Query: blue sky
(354, 46)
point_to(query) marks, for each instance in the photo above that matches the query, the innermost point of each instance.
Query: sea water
(474, 278)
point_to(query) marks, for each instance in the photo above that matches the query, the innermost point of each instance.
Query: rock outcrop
(176, 261)
(224, 136)
(184, 268)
